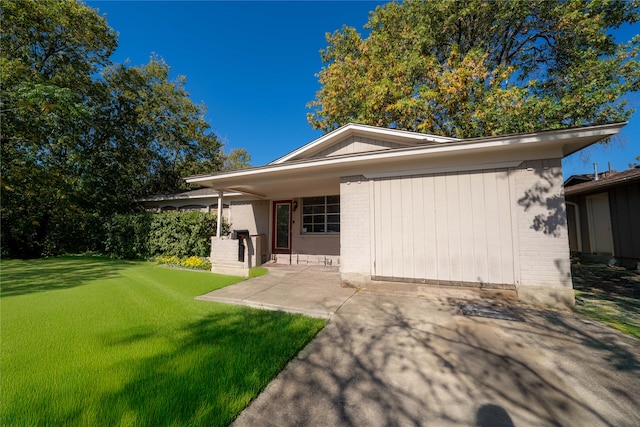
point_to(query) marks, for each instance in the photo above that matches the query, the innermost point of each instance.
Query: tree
(476, 68)
(150, 134)
(82, 137)
(49, 52)
(239, 158)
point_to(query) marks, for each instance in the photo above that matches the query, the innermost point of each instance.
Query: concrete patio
(410, 357)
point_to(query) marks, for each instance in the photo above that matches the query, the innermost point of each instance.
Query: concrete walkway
(414, 359)
(313, 290)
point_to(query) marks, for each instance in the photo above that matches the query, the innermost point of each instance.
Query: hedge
(145, 235)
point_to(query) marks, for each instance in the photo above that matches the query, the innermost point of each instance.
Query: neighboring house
(398, 206)
(604, 215)
(203, 200)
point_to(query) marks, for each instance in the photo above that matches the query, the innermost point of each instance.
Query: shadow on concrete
(390, 365)
(493, 416)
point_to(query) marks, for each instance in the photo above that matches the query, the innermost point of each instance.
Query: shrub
(182, 233)
(194, 262)
(127, 235)
(144, 235)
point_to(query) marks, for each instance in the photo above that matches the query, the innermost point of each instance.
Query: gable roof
(604, 183)
(290, 175)
(578, 179)
(402, 137)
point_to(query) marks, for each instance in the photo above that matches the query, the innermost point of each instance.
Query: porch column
(219, 224)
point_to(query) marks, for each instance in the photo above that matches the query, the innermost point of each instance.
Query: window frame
(312, 211)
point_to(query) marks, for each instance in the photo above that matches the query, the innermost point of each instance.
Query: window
(321, 214)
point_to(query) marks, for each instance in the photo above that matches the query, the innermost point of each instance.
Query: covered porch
(293, 220)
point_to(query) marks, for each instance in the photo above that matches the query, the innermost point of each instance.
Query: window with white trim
(321, 215)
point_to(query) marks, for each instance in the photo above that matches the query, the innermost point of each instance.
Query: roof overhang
(594, 186)
(295, 177)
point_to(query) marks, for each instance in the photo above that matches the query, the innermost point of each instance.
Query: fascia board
(186, 197)
(542, 140)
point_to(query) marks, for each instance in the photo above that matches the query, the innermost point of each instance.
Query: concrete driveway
(414, 359)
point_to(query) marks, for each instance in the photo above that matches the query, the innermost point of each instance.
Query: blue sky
(253, 64)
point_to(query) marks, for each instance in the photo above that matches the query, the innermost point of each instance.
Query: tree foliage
(238, 158)
(144, 235)
(82, 137)
(475, 68)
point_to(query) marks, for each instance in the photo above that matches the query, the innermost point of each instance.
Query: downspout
(219, 219)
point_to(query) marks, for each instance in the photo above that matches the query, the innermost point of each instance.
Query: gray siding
(625, 220)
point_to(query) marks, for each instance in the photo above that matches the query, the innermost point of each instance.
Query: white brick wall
(224, 255)
(542, 225)
(355, 226)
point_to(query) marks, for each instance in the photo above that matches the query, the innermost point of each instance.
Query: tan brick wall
(252, 216)
(355, 228)
(312, 244)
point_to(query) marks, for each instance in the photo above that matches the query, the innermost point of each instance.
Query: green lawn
(91, 341)
(609, 295)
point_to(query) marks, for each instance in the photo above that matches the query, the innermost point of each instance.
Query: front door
(600, 224)
(281, 227)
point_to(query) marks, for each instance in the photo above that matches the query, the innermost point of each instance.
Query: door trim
(274, 207)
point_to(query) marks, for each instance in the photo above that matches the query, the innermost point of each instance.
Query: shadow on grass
(218, 364)
(610, 295)
(20, 277)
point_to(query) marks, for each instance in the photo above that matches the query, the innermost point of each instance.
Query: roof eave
(557, 141)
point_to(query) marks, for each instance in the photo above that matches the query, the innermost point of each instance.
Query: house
(202, 200)
(396, 206)
(603, 215)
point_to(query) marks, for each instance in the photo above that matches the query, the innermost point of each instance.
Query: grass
(609, 295)
(91, 341)
(257, 271)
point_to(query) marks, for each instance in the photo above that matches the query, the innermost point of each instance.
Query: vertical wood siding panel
(442, 226)
(633, 208)
(506, 240)
(493, 227)
(396, 231)
(453, 226)
(419, 225)
(386, 227)
(408, 227)
(350, 145)
(479, 223)
(466, 228)
(430, 232)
